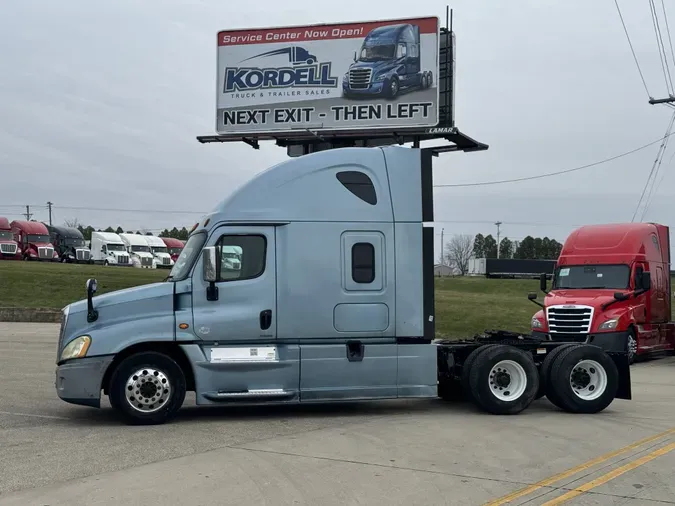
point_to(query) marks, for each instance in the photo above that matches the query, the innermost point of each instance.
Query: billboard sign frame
(290, 83)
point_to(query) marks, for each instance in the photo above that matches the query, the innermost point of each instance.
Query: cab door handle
(265, 319)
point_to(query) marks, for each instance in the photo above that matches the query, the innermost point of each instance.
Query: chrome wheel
(631, 348)
(508, 380)
(148, 390)
(588, 380)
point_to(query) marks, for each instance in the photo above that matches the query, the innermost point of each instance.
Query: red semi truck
(34, 241)
(611, 288)
(9, 249)
(175, 246)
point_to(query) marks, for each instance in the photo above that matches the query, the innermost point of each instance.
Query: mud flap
(624, 390)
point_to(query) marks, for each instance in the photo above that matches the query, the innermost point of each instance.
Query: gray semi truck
(333, 300)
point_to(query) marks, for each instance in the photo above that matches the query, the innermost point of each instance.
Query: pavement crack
(382, 466)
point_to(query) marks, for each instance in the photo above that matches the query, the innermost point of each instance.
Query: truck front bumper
(376, 88)
(608, 341)
(79, 381)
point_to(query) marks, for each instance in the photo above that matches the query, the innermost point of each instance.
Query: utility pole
(498, 223)
(49, 205)
(442, 248)
(28, 214)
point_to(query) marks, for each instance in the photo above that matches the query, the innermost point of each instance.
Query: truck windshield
(188, 257)
(115, 247)
(37, 238)
(78, 243)
(175, 251)
(159, 249)
(615, 277)
(141, 248)
(5, 235)
(376, 53)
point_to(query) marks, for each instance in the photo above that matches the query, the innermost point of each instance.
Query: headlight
(536, 323)
(609, 324)
(77, 348)
(381, 77)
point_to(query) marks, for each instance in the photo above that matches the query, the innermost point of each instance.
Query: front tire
(584, 379)
(147, 388)
(504, 380)
(631, 346)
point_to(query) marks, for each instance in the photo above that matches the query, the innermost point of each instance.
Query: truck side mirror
(210, 271)
(542, 282)
(645, 281)
(532, 296)
(209, 266)
(92, 286)
(354, 55)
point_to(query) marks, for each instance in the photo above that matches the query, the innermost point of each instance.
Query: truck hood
(124, 316)
(125, 296)
(594, 298)
(8, 241)
(40, 245)
(162, 255)
(142, 254)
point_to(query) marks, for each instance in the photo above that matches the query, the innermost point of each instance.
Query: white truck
(138, 249)
(107, 248)
(161, 257)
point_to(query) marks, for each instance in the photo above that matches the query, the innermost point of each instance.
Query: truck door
(244, 305)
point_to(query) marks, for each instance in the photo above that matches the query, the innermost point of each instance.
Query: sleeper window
(363, 262)
(241, 257)
(359, 184)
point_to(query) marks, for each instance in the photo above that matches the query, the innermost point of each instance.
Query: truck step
(266, 393)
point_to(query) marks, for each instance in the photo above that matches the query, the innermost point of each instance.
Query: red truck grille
(569, 319)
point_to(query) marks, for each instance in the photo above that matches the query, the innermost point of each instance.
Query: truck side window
(241, 257)
(359, 184)
(363, 262)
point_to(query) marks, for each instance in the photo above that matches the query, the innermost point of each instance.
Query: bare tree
(458, 252)
(72, 223)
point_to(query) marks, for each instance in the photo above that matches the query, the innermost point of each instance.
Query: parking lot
(399, 452)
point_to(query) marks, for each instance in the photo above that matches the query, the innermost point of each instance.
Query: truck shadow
(342, 410)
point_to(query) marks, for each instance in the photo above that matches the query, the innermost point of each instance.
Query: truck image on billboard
(368, 75)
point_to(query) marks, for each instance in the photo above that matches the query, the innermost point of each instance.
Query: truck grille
(359, 78)
(46, 253)
(123, 259)
(9, 249)
(569, 319)
(82, 254)
(166, 261)
(146, 261)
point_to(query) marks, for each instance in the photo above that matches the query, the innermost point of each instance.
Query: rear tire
(466, 370)
(147, 388)
(545, 372)
(504, 380)
(584, 379)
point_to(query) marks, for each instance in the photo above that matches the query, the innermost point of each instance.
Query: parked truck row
(330, 298)
(32, 240)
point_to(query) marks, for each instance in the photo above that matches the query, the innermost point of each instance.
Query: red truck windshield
(614, 277)
(5, 235)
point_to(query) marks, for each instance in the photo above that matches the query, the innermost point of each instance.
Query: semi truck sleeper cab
(331, 299)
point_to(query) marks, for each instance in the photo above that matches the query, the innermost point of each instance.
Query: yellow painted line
(610, 475)
(574, 470)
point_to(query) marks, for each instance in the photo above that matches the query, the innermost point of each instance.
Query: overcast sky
(100, 103)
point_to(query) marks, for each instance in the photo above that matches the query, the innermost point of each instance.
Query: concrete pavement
(421, 452)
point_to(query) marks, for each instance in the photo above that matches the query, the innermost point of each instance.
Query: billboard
(370, 75)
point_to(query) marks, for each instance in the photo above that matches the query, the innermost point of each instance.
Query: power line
(657, 163)
(149, 211)
(663, 58)
(632, 50)
(670, 40)
(566, 171)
